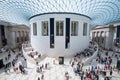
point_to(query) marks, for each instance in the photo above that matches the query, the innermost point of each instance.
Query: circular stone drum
(59, 34)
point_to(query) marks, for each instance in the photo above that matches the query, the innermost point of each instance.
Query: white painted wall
(42, 43)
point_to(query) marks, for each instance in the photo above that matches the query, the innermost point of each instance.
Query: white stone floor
(55, 72)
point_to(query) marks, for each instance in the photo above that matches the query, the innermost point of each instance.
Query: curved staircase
(27, 49)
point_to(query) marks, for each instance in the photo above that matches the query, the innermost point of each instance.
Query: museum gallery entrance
(61, 60)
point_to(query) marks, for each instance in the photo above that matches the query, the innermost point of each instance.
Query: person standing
(42, 77)
(38, 78)
(118, 65)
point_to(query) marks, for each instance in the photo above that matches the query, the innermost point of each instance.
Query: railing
(87, 61)
(27, 49)
(25, 53)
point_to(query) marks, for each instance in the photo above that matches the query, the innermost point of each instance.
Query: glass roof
(100, 11)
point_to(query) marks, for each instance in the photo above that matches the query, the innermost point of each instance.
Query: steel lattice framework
(100, 11)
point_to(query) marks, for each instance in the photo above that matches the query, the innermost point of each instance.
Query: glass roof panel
(100, 11)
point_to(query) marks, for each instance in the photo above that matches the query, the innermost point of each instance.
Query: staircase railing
(89, 59)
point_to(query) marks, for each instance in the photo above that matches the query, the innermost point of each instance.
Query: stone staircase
(89, 59)
(27, 49)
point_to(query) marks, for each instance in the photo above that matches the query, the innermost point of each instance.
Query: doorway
(61, 60)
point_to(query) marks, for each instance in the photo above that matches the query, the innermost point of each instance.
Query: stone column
(0, 38)
(97, 37)
(93, 36)
(27, 36)
(105, 39)
(21, 32)
(13, 39)
(23, 36)
(111, 36)
(19, 36)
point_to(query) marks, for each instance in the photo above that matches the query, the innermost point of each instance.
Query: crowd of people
(40, 69)
(16, 61)
(87, 52)
(93, 72)
(34, 54)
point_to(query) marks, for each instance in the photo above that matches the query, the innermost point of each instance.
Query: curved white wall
(42, 43)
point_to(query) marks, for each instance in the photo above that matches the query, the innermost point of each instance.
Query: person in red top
(111, 74)
(89, 75)
(108, 66)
